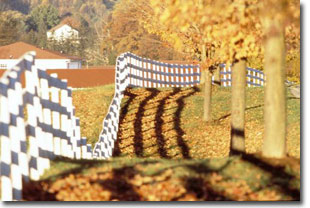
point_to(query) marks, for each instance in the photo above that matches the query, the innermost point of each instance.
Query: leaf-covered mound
(246, 178)
(162, 149)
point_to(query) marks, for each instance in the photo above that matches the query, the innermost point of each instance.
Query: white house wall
(44, 63)
(75, 65)
(52, 63)
(7, 63)
(64, 32)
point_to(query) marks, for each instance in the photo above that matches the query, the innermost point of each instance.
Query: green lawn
(166, 152)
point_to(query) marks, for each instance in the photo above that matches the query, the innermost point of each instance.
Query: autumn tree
(124, 32)
(182, 25)
(44, 15)
(227, 33)
(240, 36)
(17, 5)
(11, 27)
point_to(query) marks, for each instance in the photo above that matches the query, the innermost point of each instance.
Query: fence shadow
(122, 182)
(246, 109)
(279, 177)
(177, 123)
(123, 113)
(159, 121)
(138, 138)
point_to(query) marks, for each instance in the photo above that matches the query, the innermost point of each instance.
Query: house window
(3, 66)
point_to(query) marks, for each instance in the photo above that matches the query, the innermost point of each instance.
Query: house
(62, 32)
(45, 59)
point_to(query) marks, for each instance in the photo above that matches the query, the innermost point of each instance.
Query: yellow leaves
(91, 107)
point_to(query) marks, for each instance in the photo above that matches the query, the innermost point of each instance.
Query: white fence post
(224, 77)
(249, 78)
(6, 158)
(56, 119)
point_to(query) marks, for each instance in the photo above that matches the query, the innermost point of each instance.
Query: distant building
(62, 32)
(45, 59)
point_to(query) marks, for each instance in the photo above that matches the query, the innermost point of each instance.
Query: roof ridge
(13, 50)
(58, 26)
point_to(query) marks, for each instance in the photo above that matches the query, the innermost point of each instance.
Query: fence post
(187, 75)
(158, 74)
(154, 74)
(177, 75)
(55, 118)
(262, 79)
(32, 126)
(192, 77)
(162, 71)
(182, 75)
(18, 140)
(257, 79)
(47, 119)
(68, 140)
(249, 78)
(224, 77)
(43, 160)
(229, 76)
(84, 148)
(6, 160)
(198, 70)
(167, 76)
(21, 128)
(149, 83)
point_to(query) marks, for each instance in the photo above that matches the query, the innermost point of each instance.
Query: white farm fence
(38, 122)
(135, 71)
(255, 77)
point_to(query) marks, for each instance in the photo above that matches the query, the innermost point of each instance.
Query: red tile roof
(16, 50)
(56, 27)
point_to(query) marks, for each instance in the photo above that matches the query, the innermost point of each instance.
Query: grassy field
(166, 152)
(168, 122)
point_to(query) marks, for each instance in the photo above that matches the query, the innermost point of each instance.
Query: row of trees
(31, 27)
(232, 32)
(123, 32)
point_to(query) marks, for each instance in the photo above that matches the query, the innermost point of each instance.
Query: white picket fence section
(135, 71)
(255, 77)
(37, 123)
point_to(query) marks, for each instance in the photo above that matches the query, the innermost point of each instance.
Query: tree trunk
(207, 97)
(207, 85)
(275, 97)
(238, 107)
(203, 60)
(217, 75)
(203, 77)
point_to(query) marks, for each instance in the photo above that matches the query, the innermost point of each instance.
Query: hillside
(65, 7)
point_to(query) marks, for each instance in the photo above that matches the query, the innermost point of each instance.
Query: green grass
(91, 107)
(249, 177)
(231, 178)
